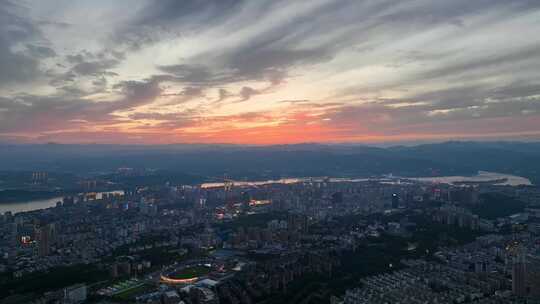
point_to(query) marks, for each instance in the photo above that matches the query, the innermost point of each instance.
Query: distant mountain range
(258, 162)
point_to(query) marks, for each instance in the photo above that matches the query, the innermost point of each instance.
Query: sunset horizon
(269, 151)
(265, 73)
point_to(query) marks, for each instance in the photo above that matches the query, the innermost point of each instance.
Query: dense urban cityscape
(269, 152)
(311, 240)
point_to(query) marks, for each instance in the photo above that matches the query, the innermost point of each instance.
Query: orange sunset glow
(268, 72)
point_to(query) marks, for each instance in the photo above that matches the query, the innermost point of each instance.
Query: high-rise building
(395, 201)
(45, 237)
(337, 198)
(200, 203)
(14, 234)
(533, 276)
(38, 177)
(464, 195)
(519, 275)
(75, 294)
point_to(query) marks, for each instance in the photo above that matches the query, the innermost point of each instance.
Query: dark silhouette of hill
(258, 162)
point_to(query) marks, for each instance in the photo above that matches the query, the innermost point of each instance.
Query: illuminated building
(395, 201)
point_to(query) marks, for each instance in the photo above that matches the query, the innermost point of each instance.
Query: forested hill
(447, 158)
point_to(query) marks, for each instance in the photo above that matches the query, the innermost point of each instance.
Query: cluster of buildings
(301, 229)
(428, 282)
(492, 269)
(74, 294)
(457, 216)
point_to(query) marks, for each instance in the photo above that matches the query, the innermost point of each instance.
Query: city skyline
(268, 72)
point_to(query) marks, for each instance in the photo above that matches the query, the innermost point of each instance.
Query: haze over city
(268, 72)
(269, 151)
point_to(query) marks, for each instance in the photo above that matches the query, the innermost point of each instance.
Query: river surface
(482, 176)
(16, 207)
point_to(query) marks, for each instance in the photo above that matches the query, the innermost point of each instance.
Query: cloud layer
(263, 72)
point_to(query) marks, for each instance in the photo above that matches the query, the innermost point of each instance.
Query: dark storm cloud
(43, 113)
(191, 73)
(85, 66)
(267, 57)
(257, 61)
(16, 65)
(435, 47)
(37, 51)
(136, 93)
(94, 67)
(530, 54)
(223, 94)
(168, 121)
(272, 53)
(172, 10)
(247, 92)
(23, 47)
(185, 95)
(464, 102)
(58, 80)
(191, 92)
(460, 97)
(87, 63)
(438, 107)
(169, 18)
(517, 90)
(270, 56)
(270, 63)
(56, 24)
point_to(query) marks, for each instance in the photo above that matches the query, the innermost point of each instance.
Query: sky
(268, 72)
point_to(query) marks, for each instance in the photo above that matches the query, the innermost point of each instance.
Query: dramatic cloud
(17, 62)
(31, 114)
(269, 71)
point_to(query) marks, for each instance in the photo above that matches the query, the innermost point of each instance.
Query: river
(482, 176)
(16, 207)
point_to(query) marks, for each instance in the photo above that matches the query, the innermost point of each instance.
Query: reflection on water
(482, 176)
(41, 203)
(29, 205)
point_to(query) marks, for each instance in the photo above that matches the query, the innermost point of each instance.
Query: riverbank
(44, 203)
(482, 177)
(10, 196)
